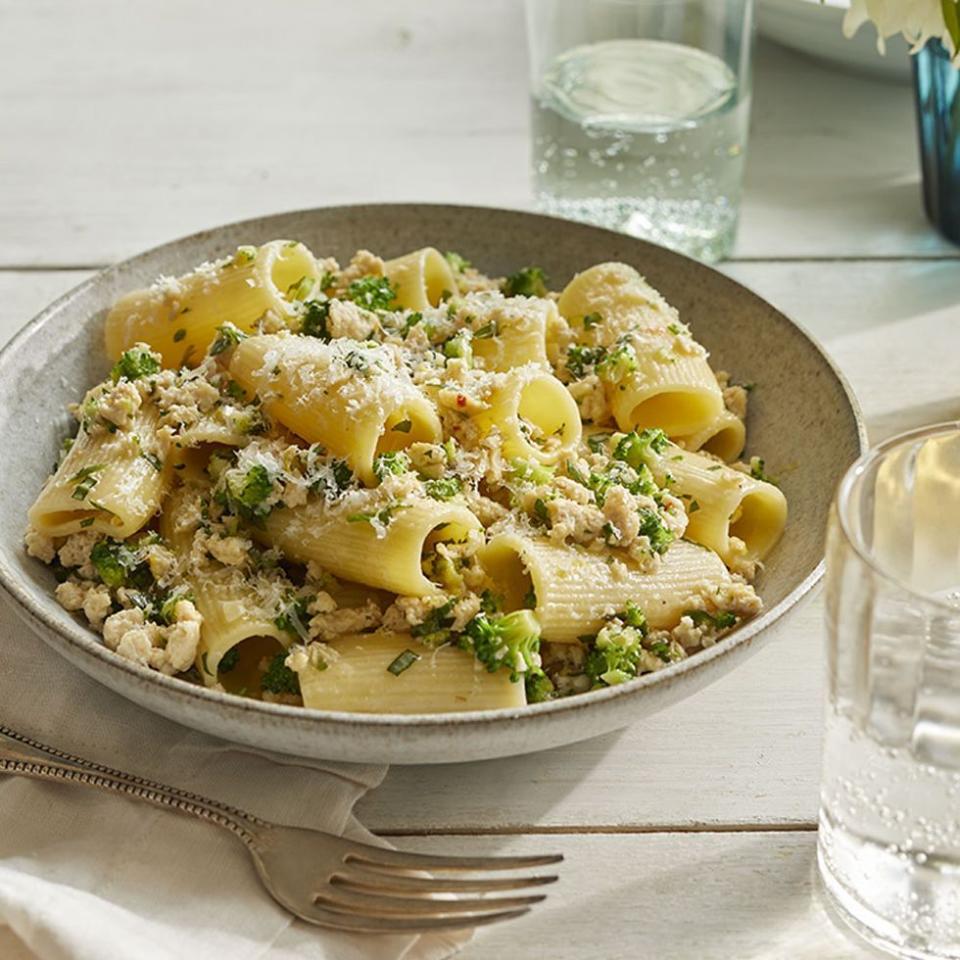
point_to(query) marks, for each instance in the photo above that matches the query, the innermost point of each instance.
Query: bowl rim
(87, 643)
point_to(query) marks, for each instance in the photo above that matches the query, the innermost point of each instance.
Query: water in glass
(889, 843)
(643, 136)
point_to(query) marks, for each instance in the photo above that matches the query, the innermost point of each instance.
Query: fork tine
(358, 923)
(384, 859)
(374, 881)
(346, 901)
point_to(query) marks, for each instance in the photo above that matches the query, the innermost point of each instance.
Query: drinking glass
(639, 115)
(889, 838)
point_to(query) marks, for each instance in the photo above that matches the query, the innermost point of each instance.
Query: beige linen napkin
(89, 876)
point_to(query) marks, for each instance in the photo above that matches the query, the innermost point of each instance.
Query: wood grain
(667, 897)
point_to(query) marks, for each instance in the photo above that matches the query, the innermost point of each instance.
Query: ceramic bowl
(803, 420)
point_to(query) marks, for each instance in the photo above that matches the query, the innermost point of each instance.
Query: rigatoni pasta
(403, 486)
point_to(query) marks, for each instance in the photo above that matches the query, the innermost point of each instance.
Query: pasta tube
(724, 438)
(352, 398)
(386, 550)
(575, 590)
(232, 612)
(179, 318)
(422, 278)
(535, 415)
(390, 673)
(728, 511)
(111, 483)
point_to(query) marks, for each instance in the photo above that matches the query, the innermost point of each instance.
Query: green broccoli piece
(723, 620)
(314, 322)
(527, 471)
(227, 336)
(539, 688)
(619, 362)
(435, 627)
(458, 347)
(395, 462)
(372, 293)
(279, 678)
(616, 655)
(511, 641)
(443, 489)
(633, 616)
(583, 360)
(166, 605)
(137, 362)
(528, 282)
(653, 528)
(638, 449)
(119, 565)
(457, 263)
(246, 494)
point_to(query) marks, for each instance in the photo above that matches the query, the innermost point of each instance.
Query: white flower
(916, 20)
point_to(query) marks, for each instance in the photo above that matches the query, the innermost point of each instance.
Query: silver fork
(320, 878)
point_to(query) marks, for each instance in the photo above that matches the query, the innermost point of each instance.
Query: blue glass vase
(937, 86)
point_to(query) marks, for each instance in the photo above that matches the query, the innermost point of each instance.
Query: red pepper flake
(461, 400)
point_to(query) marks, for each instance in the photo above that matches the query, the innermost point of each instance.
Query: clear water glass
(639, 116)
(889, 834)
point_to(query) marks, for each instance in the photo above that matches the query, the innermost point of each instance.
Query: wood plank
(170, 129)
(667, 897)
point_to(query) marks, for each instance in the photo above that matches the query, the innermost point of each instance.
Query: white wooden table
(123, 125)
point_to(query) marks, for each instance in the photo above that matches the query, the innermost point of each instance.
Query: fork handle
(22, 756)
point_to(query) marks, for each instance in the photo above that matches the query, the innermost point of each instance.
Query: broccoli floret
(723, 620)
(395, 462)
(528, 282)
(119, 565)
(435, 628)
(137, 362)
(279, 678)
(227, 336)
(633, 616)
(329, 478)
(458, 346)
(372, 293)
(616, 654)
(314, 322)
(511, 641)
(457, 263)
(166, 605)
(617, 364)
(638, 449)
(527, 471)
(653, 528)
(583, 360)
(443, 489)
(246, 494)
(539, 688)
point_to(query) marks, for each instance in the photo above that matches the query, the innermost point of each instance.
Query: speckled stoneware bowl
(802, 418)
